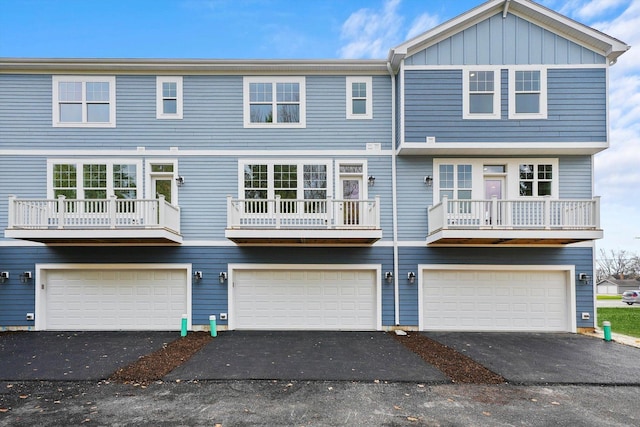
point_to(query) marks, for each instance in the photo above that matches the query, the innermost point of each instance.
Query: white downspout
(396, 286)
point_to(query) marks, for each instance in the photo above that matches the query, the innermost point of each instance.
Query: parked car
(631, 296)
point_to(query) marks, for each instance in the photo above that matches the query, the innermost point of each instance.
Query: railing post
(12, 213)
(112, 211)
(276, 211)
(329, 212)
(61, 211)
(596, 213)
(229, 213)
(494, 211)
(377, 211)
(445, 212)
(161, 210)
(547, 212)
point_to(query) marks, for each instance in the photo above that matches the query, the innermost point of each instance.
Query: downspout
(394, 209)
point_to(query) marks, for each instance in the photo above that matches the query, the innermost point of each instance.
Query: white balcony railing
(112, 213)
(543, 214)
(303, 214)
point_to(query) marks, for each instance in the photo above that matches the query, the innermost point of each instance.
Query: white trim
(160, 114)
(79, 162)
(569, 269)
(497, 85)
(231, 268)
(364, 186)
(246, 84)
(420, 67)
(55, 107)
(194, 153)
(503, 148)
(40, 310)
(149, 175)
(542, 114)
(368, 81)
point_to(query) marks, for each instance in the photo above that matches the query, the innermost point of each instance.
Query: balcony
(110, 220)
(314, 222)
(514, 222)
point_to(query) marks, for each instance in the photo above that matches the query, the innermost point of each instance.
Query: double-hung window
(481, 97)
(527, 94)
(359, 98)
(168, 97)
(84, 101)
(535, 179)
(455, 182)
(274, 102)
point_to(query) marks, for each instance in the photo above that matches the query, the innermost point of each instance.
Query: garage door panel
(495, 300)
(304, 299)
(104, 299)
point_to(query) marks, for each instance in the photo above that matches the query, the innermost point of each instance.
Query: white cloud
(421, 24)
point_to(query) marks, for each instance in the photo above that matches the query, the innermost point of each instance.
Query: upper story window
(481, 97)
(274, 102)
(359, 98)
(84, 101)
(168, 97)
(94, 179)
(527, 94)
(455, 181)
(535, 179)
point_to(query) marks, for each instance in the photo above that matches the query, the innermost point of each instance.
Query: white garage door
(495, 301)
(305, 299)
(146, 299)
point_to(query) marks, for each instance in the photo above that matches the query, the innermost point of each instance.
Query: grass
(605, 297)
(624, 321)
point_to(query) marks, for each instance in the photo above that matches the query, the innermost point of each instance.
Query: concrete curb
(619, 338)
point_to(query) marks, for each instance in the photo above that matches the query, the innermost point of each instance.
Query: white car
(631, 296)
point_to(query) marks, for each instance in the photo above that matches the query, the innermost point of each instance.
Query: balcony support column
(61, 212)
(12, 211)
(161, 210)
(330, 212)
(494, 212)
(277, 212)
(112, 212)
(446, 213)
(596, 213)
(547, 212)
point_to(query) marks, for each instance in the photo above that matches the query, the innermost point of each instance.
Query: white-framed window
(455, 181)
(92, 179)
(481, 93)
(274, 102)
(527, 93)
(84, 101)
(168, 97)
(359, 98)
(535, 179)
(288, 179)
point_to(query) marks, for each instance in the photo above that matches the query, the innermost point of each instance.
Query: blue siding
(498, 41)
(576, 109)
(411, 257)
(209, 296)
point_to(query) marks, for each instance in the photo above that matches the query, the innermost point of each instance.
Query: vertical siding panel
(495, 41)
(470, 46)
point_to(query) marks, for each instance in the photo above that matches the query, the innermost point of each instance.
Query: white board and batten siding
(304, 297)
(112, 297)
(497, 298)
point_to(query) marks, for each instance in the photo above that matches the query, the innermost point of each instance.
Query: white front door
(351, 188)
(493, 189)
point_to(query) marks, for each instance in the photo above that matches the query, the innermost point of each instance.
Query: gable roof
(590, 38)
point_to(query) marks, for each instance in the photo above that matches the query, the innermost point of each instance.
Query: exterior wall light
(180, 181)
(388, 276)
(222, 277)
(4, 276)
(428, 180)
(197, 275)
(584, 278)
(411, 276)
(25, 277)
(371, 180)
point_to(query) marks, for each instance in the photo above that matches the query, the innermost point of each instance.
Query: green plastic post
(606, 325)
(183, 331)
(212, 323)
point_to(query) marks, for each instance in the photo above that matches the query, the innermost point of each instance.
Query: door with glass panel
(351, 194)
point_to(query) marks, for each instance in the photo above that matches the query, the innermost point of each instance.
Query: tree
(619, 264)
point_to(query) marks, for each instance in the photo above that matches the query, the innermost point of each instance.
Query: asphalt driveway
(548, 358)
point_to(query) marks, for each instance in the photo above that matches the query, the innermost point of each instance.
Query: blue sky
(320, 29)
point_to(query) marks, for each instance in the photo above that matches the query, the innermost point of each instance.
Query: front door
(351, 196)
(162, 186)
(492, 190)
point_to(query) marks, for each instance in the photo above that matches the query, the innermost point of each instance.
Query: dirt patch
(155, 366)
(457, 366)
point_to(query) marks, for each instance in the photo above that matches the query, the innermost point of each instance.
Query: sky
(328, 29)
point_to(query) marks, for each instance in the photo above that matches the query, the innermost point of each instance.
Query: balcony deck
(514, 222)
(73, 221)
(317, 222)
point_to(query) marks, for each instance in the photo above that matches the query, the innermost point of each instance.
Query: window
(535, 179)
(94, 180)
(527, 94)
(84, 101)
(359, 98)
(169, 97)
(481, 98)
(274, 102)
(455, 181)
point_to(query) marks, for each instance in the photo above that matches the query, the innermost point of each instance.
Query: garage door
(305, 299)
(145, 299)
(495, 301)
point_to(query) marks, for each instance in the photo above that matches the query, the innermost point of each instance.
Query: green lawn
(624, 321)
(601, 297)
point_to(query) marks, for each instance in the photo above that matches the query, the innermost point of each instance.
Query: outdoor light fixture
(180, 181)
(197, 275)
(4, 276)
(411, 276)
(428, 180)
(371, 180)
(222, 276)
(584, 278)
(388, 276)
(25, 277)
